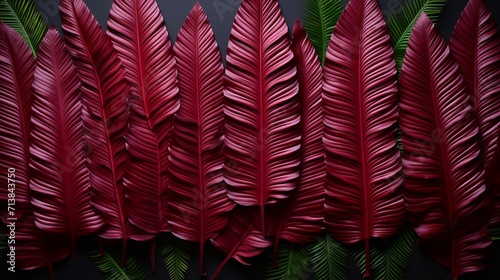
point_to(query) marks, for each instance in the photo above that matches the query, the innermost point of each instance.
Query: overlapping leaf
(59, 177)
(177, 254)
(329, 258)
(293, 263)
(363, 186)
(475, 44)
(299, 219)
(109, 264)
(105, 113)
(139, 35)
(199, 200)
(444, 182)
(262, 137)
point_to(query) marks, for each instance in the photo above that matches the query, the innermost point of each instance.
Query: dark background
(174, 12)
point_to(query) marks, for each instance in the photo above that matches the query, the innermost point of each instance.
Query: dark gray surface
(221, 14)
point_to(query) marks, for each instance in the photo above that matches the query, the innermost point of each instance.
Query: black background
(174, 12)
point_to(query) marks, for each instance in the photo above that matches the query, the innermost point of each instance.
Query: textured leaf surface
(177, 256)
(293, 263)
(475, 44)
(363, 188)
(444, 182)
(401, 23)
(329, 258)
(299, 219)
(139, 35)
(262, 110)
(59, 177)
(320, 19)
(389, 257)
(199, 200)
(241, 239)
(105, 113)
(23, 16)
(109, 264)
(17, 66)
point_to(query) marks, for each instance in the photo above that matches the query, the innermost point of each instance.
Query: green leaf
(320, 19)
(389, 257)
(24, 17)
(292, 263)
(494, 233)
(401, 23)
(110, 265)
(329, 259)
(177, 254)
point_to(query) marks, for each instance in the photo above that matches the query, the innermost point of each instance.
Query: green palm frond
(494, 233)
(293, 263)
(401, 23)
(320, 19)
(390, 257)
(177, 254)
(110, 265)
(24, 17)
(329, 259)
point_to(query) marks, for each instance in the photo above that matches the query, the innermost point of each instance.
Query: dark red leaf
(105, 113)
(444, 181)
(241, 239)
(299, 219)
(59, 177)
(139, 35)
(475, 44)
(199, 201)
(363, 188)
(262, 110)
(32, 248)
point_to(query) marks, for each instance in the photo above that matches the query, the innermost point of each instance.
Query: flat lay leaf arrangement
(290, 149)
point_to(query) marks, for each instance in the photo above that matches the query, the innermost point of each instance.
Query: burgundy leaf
(475, 44)
(105, 113)
(299, 219)
(262, 111)
(444, 182)
(363, 188)
(139, 35)
(59, 177)
(17, 65)
(199, 202)
(241, 239)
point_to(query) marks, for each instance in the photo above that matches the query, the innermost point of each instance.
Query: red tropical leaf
(475, 44)
(139, 35)
(299, 219)
(199, 201)
(105, 113)
(444, 182)
(241, 239)
(59, 177)
(262, 137)
(363, 188)
(17, 64)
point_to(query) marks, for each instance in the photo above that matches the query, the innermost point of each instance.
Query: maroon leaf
(241, 239)
(17, 65)
(262, 110)
(139, 35)
(299, 219)
(105, 113)
(199, 202)
(475, 44)
(444, 182)
(363, 188)
(59, 176)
